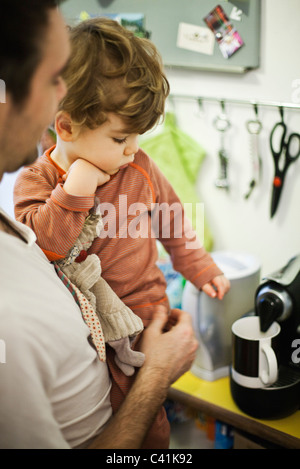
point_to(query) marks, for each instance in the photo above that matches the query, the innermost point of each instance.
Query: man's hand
(171, 352)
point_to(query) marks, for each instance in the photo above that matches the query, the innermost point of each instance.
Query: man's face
(21, 127)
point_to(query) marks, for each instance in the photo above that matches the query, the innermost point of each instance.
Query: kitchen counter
(214, 399)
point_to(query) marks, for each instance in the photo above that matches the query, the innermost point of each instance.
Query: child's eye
(120, 140)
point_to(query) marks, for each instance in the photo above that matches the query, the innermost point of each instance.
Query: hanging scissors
(282, 158)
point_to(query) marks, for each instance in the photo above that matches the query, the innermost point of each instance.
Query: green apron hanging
(179, 158)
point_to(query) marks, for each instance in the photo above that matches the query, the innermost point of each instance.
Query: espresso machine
(277, 299)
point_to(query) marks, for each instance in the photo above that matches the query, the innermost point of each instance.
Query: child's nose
(132, 146)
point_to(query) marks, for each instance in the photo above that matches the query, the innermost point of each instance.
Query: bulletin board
(178, 29)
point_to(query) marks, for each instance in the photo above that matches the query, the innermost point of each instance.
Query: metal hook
(200, 109)
(255, 109)
(222, 122)
(281, 111)
(254, 126)
(200, 104)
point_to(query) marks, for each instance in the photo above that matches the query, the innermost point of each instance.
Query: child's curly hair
(111, 70)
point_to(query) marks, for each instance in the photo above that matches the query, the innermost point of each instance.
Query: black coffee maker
(277, 299)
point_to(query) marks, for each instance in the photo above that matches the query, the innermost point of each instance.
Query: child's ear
(64, 126)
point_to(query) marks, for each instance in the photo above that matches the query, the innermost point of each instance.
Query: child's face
(108, 147)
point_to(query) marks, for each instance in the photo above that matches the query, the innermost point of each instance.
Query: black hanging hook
(255, 106)
(281, 112)
(200, 103)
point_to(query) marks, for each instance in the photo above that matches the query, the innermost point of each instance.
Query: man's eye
(56, 81)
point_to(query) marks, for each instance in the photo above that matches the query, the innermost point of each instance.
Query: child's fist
(217, 288)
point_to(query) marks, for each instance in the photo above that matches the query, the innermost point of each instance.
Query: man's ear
(64, 126)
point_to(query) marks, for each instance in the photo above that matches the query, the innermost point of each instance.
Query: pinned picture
(135, 22)
(195, 38)
(227, 36)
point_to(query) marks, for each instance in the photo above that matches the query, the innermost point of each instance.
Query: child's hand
(83, 178)
(217, 287)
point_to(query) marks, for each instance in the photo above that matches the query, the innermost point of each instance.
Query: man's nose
(62, 91)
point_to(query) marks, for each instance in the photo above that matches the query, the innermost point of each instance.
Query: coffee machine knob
(272, 305)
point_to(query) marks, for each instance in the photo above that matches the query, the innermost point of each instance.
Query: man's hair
(22, 33)
(112, 71)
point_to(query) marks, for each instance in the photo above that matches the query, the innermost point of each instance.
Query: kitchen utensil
(282, 157)
(254, 128)
(222, 124)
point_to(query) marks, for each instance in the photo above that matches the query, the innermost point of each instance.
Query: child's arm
(42, 203)
(179, 239)
(83, 178)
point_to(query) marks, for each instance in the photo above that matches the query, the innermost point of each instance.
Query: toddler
(116, 92)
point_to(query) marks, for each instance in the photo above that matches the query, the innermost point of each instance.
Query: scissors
(282, 159)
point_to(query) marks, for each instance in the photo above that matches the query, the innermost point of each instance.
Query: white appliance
(212, 318)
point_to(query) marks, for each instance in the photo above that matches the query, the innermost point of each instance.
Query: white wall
(238, 224)
(6, 193)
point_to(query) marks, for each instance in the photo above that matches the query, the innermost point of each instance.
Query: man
(54, 391)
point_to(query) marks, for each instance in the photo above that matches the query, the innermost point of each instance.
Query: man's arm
(168, 356)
